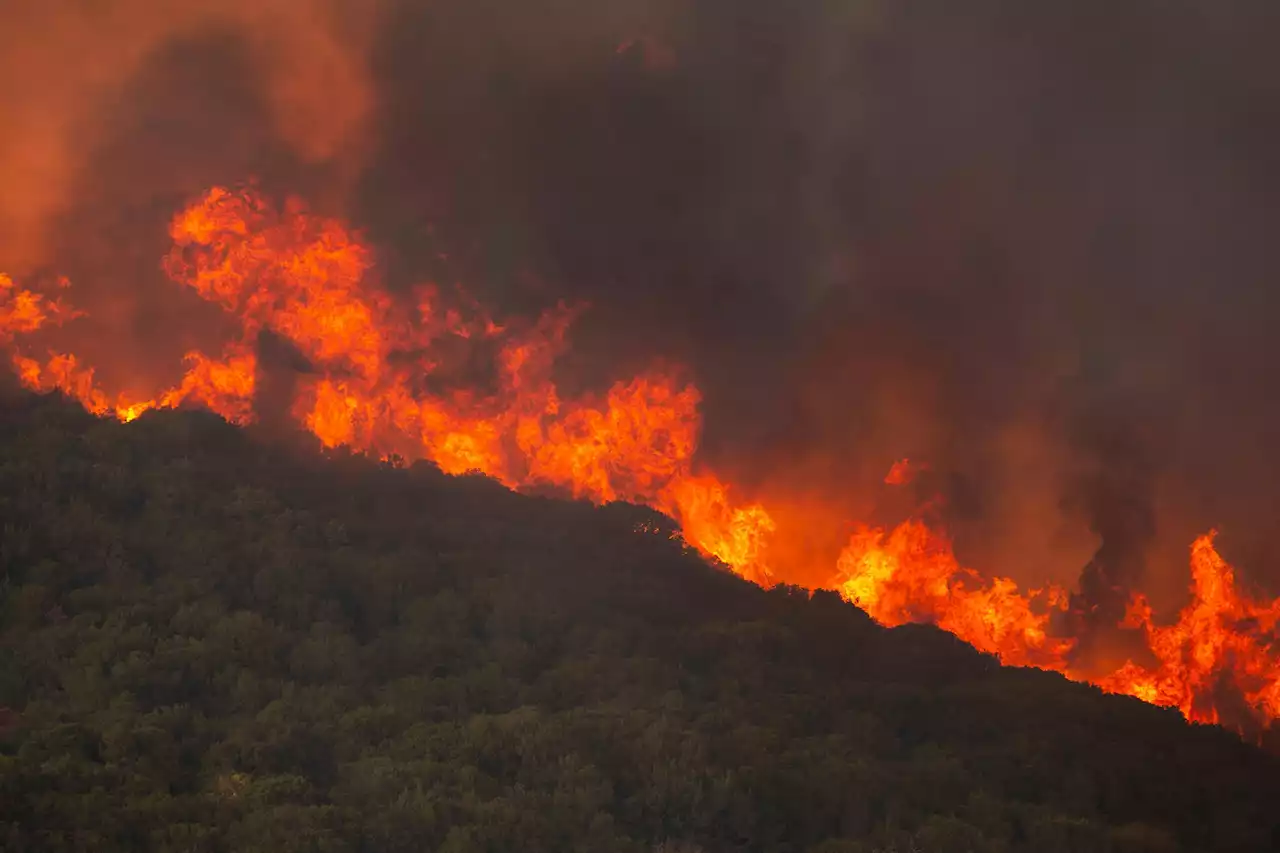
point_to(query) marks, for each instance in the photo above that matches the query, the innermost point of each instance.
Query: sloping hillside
(211, 641)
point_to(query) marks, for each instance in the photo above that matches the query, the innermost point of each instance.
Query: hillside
(212, 641)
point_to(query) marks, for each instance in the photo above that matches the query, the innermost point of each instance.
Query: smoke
(68, 70)
(116, 113)
(1070, 201)
(1027, 243)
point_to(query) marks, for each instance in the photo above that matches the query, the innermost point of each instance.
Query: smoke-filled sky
(1026, 243)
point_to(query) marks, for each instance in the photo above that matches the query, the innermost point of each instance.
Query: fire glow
(310, 280)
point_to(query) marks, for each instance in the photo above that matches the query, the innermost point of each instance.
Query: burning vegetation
(374, 371)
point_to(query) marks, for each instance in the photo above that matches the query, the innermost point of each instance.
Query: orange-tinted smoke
(63, 64)
(373, 382)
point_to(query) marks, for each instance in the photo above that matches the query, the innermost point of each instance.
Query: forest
(217, 639)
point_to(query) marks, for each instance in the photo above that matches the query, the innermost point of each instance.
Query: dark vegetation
(211, 642)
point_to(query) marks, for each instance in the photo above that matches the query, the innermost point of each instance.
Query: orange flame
(911, 575)
(24, 311)
(376, 382)
(223, 387)
(307, 279)
(1221, 639)
(901, 473)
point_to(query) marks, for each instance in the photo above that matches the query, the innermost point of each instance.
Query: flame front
(375, 381)
(911, 575)
(1222, 641)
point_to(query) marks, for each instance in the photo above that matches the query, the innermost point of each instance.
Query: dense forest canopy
(213, 641)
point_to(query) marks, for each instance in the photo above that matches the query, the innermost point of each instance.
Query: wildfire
(911, 575)
(1222, 641)
(901, 473)
(224, 387)
(24, 311)
(376, 380)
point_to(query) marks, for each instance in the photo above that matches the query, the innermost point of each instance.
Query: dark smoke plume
(1028, 242)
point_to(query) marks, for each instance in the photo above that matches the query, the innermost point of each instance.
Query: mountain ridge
(215, 639)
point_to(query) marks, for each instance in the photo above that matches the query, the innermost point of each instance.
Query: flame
(378, 379)
(308, 279)
(1222, 638)
(24, 311)
(911, 575)
(901, 473)
(735, 535)
(224, 387)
